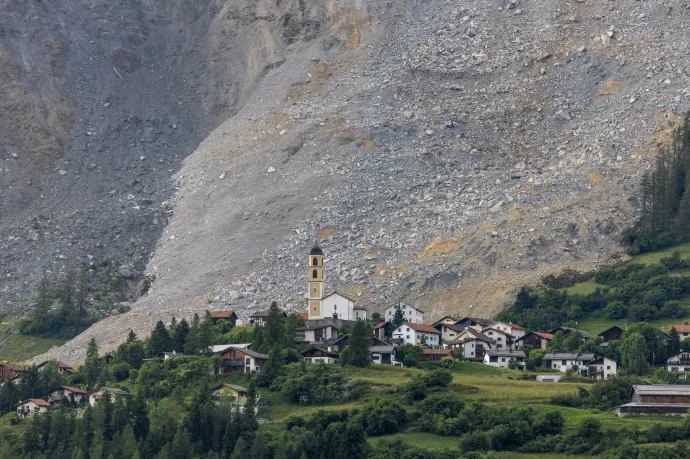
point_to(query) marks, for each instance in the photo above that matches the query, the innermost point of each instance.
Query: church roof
(340, 295)
(316, 250)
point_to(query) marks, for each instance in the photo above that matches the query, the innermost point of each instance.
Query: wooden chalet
(342, 342)
(258, 318)
(433, 355)
(240, 360)
(63, 368)
(537, 339)
(9, 371)
(227, 316)
(611, 334)
(319, 355)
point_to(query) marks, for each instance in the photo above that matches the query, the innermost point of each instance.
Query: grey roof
(454, 327)
(478, 320)
(115, 390)
(238, 347)
(479, 335)
(381, 349)
(217, 348)
(316, 250)
(569, 356)
(315, 324)
(251, 353)
(506, 353)
(326, 351)
(259, 314)
(661, 389)
(656, 405)
(585, 334)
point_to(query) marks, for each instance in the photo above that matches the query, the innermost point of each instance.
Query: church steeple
(315, 282)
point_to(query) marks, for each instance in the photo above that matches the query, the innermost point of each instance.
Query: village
(400, 336)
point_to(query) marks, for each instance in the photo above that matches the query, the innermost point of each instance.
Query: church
(330, 306)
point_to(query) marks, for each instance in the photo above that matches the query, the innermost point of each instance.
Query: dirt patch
(609, 88)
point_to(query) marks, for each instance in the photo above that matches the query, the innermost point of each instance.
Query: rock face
(443, 153)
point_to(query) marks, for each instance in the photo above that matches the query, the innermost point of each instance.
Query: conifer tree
(160, 340)
(398, 317)
(180, 336)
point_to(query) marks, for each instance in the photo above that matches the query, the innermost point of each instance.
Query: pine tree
(91, 369)
(192, 344)
(129, 443)
(180, 336)
(139, 416)
(97, 446)
(274, 326)
(160, 340)
(673, 342)
(398, 317)
(360, 343)
(132, 337)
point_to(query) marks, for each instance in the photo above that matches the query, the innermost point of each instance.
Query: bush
(438, 378)
(616, 310)
(383, 417)
(415, 389)
(447, 363)
(671, 309)
(475, 441)
(643, 312)
(121, 371)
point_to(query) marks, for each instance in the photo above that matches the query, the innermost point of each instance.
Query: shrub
(438, 378)
(643, 312)
(616, 310)
(475, 441)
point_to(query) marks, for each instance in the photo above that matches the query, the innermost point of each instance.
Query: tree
(573, 341)
(398, 317)
(359, 343)
(616, 310)
(557, 342)
(274, 326)
(673, 342)
(92, 366)
(160, 340)
(180, 335)
(633, 353)
(192, 344)
(376, 317)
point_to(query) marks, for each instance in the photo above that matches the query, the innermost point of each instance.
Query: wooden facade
(240, 361)
(611, 334)
(9, 371)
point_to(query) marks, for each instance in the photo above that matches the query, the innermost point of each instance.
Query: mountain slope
(444, 153)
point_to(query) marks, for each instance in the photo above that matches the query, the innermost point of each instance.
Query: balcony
(232, 362)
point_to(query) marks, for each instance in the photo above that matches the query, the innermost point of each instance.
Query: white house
(411, 314)
(601, 368)
(318, 331)
(382, 354)
(565, 361)
(114, 392)
(679, 363)
(318, 355)
(470, 348)
(449, 332)
(503, 358)
(509, 328)
(503, 340)
(32, 406)
(73, 394)
(412, 333)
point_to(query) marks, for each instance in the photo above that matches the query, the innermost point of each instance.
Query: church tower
(315, 283)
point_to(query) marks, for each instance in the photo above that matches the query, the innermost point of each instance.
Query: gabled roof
(76, 390)
(37, 401)
(381, 325)
(216, 348)
(401, 304)
(454, 327)
(325, 351)
(114, 390)
(516, 326)
(585, 334)
(251, 353)
(223, 314)
(478, 320)
(490, 327)
(339, 294)
(661, 389)
(611, 328)
(12, 367)
(547, 336)
(387, 349)
(61, 365)
(569, 356)
(439, 321)
(421, 327)
(438, 351)
(232, 386)
(479, 335)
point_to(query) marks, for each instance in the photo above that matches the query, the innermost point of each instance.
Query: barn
(657, 399)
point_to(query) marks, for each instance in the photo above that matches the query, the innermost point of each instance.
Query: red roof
(37, 401)
(76, 390)
(304, 315)
(544, 335)
(422, 327)
(223, 314)
(681, 328)
(11, 366)
(438, 351)
(380, 325)
(515, 326)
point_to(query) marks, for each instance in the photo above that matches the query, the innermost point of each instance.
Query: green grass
(22, 347)
(655, 257)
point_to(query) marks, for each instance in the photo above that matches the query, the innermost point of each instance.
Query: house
(410, 313)
(679, 363)
(240, 360)
(319, 330)
(564, 361)
(258, 318)
(224, 316)
(471, 348)
(600, 368)
(449, 332)
(383, 354)
(69, 393)
(32, 407)
(99, 394)
(433, 355)
(342, 342)
(536, 339)
(474, 322)
(452, 320)
(9, 371)
(322, 306)
(238, 393)
(611, 334)
(683, 330)
(319, 355)
(217, 348)
(565, 331)
(508, 328)
(63, 368)
(503, 340)
(657, 399)
(504, 358)
(382, 330)
(414, 333)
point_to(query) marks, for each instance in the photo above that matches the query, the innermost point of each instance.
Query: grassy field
(20, 347)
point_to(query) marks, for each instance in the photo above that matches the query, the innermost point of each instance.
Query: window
(408, 336)
(608, 367)
(503, 359)
(315, 274)
(248, 361)
(408, 329)
(315, 262)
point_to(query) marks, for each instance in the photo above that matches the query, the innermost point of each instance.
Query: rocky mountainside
(443, 153)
